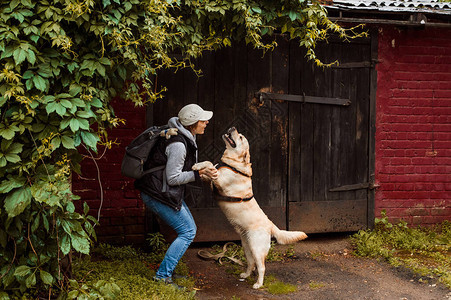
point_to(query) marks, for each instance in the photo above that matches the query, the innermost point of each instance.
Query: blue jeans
(183, 223)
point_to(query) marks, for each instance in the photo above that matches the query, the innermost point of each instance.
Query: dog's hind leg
(249, 258)
(259, 243)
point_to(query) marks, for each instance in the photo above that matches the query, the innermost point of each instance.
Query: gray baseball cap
(192, 113)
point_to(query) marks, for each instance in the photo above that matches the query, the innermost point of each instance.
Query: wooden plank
(328, 216)
(322, 129)
(347, 122)
(259, 135)
(294, 126)
(306, 147)
(372, 126)
(362, 127)
(279, 125)
(206, 100)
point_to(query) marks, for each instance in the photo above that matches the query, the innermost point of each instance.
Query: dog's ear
(247, 157)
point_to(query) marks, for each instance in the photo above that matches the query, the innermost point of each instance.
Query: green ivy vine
(61, 62)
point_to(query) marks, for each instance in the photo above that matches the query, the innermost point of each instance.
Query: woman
(163, 191)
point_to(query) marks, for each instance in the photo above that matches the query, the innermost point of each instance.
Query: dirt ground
(322, 268)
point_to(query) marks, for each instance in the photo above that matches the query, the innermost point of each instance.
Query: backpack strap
(153, 170)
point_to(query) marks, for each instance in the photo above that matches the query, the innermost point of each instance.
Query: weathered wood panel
(333, 140)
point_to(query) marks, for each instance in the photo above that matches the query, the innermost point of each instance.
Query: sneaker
(177, 276)
(168, 280)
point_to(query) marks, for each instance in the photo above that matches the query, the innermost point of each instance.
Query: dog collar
(229, 199)
(224, 165)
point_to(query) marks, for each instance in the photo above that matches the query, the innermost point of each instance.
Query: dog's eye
(241, 137)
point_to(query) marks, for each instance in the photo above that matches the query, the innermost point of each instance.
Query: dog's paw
(256, 286)
(202, 165)
(244, 275)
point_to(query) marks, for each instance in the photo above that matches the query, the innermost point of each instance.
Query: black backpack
(137, 152)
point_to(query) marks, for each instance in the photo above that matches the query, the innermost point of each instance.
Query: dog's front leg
(202, 165)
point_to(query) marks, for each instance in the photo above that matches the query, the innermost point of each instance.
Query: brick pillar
(413, 125)
(122, 214)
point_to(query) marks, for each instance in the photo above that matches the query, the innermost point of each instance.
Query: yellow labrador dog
(233, 191)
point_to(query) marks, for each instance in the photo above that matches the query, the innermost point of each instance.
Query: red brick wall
(122, 212)
(413, 125)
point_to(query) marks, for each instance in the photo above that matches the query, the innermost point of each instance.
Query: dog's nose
(231, 129)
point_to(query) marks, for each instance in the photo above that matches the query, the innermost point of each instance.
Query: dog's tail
(287, 237)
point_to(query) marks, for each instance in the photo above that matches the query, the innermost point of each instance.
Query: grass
(425, 251)
(277, 287)
(313, 285)
(131, 271)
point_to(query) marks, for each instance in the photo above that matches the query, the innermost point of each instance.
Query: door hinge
(303, 99)
(353, 187)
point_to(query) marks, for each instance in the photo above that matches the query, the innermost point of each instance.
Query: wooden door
(330, 156)
(299, 151)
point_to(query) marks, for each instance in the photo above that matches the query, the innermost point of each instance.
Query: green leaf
(60, 109)
(64, 123)
(28, 74)
(68, 142)
(110, 290)
(8, 132)
(9, 152)
(13, 158)
(66, 103)
(84, 124)
(46, 223)
(39, 83)
(2, 161)
(70, 207)
(74, 90)
(74, 125)
(17, 201)
(257, 10)
(56, 142)
(90, 139)
(46, 277)
(84, 114)
(105, 61)
(19, 55)
(22, 271)
(31, 57)
(101, 69)
(13, 4)
(96, 102)
(80, 243)
(51, 107)
(11, 183)
(64, 244)
(35, 223)
(73, 294)
(35, 38)
(85, 208)
(31, 280)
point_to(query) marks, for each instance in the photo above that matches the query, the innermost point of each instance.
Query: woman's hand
(211, 173)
